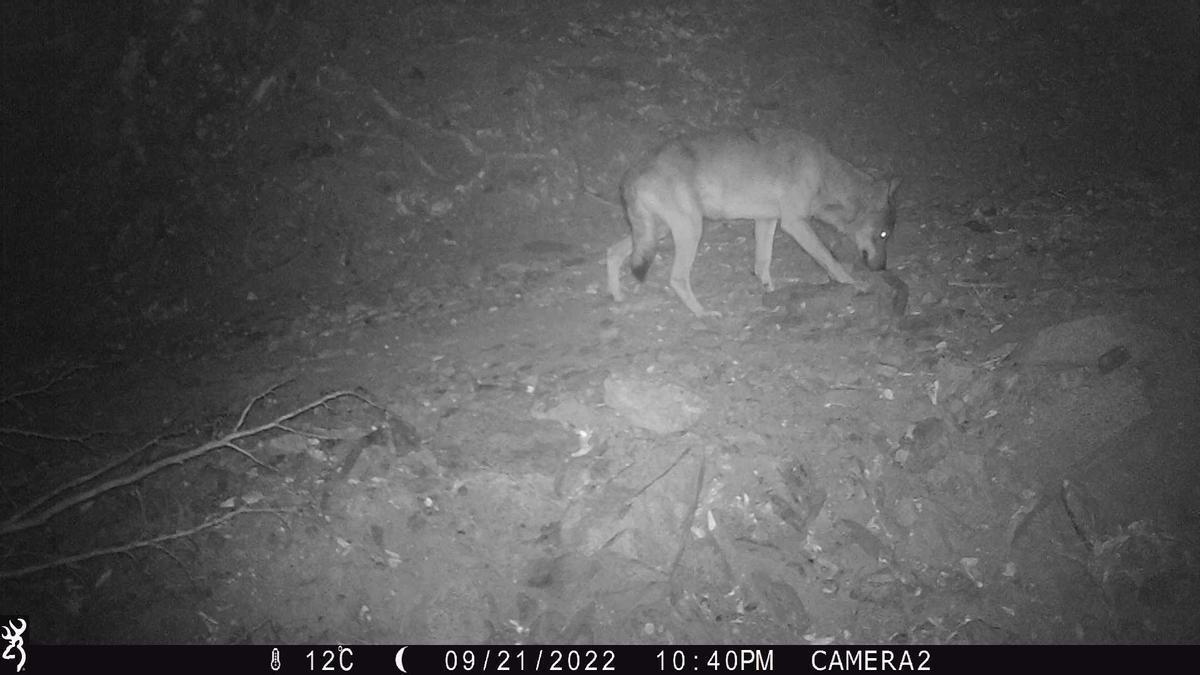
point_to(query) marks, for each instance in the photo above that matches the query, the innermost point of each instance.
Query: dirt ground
(306, 337)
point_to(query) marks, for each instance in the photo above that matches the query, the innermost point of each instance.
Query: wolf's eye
(883, 235)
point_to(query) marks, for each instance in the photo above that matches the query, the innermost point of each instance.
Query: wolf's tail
(645, 236)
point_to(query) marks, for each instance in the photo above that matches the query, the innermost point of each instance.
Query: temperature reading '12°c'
(331, 660)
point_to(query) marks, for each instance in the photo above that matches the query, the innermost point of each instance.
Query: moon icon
(400, 659)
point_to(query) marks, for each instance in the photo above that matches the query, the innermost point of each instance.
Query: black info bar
(463, 659)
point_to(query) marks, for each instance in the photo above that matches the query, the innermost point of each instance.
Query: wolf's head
(874, 225)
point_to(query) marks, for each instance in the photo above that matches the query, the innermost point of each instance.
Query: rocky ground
(306, 336)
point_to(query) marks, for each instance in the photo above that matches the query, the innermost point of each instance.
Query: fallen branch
(685, 525)
(80, 480)
(133, 546)
(14, 399)
(34, 515)
(81, 439)
(11, 398)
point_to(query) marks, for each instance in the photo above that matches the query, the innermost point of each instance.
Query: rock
(286, 444)
(569, 412)
(923, 447)
(660, 408)
(1112, 359)
(1083, 342)
(816, 302)
(781, 600)
(892, 295)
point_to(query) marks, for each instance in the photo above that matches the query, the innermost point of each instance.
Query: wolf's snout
(875, 259)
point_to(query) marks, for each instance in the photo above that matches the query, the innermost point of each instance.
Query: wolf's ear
(893, 184)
